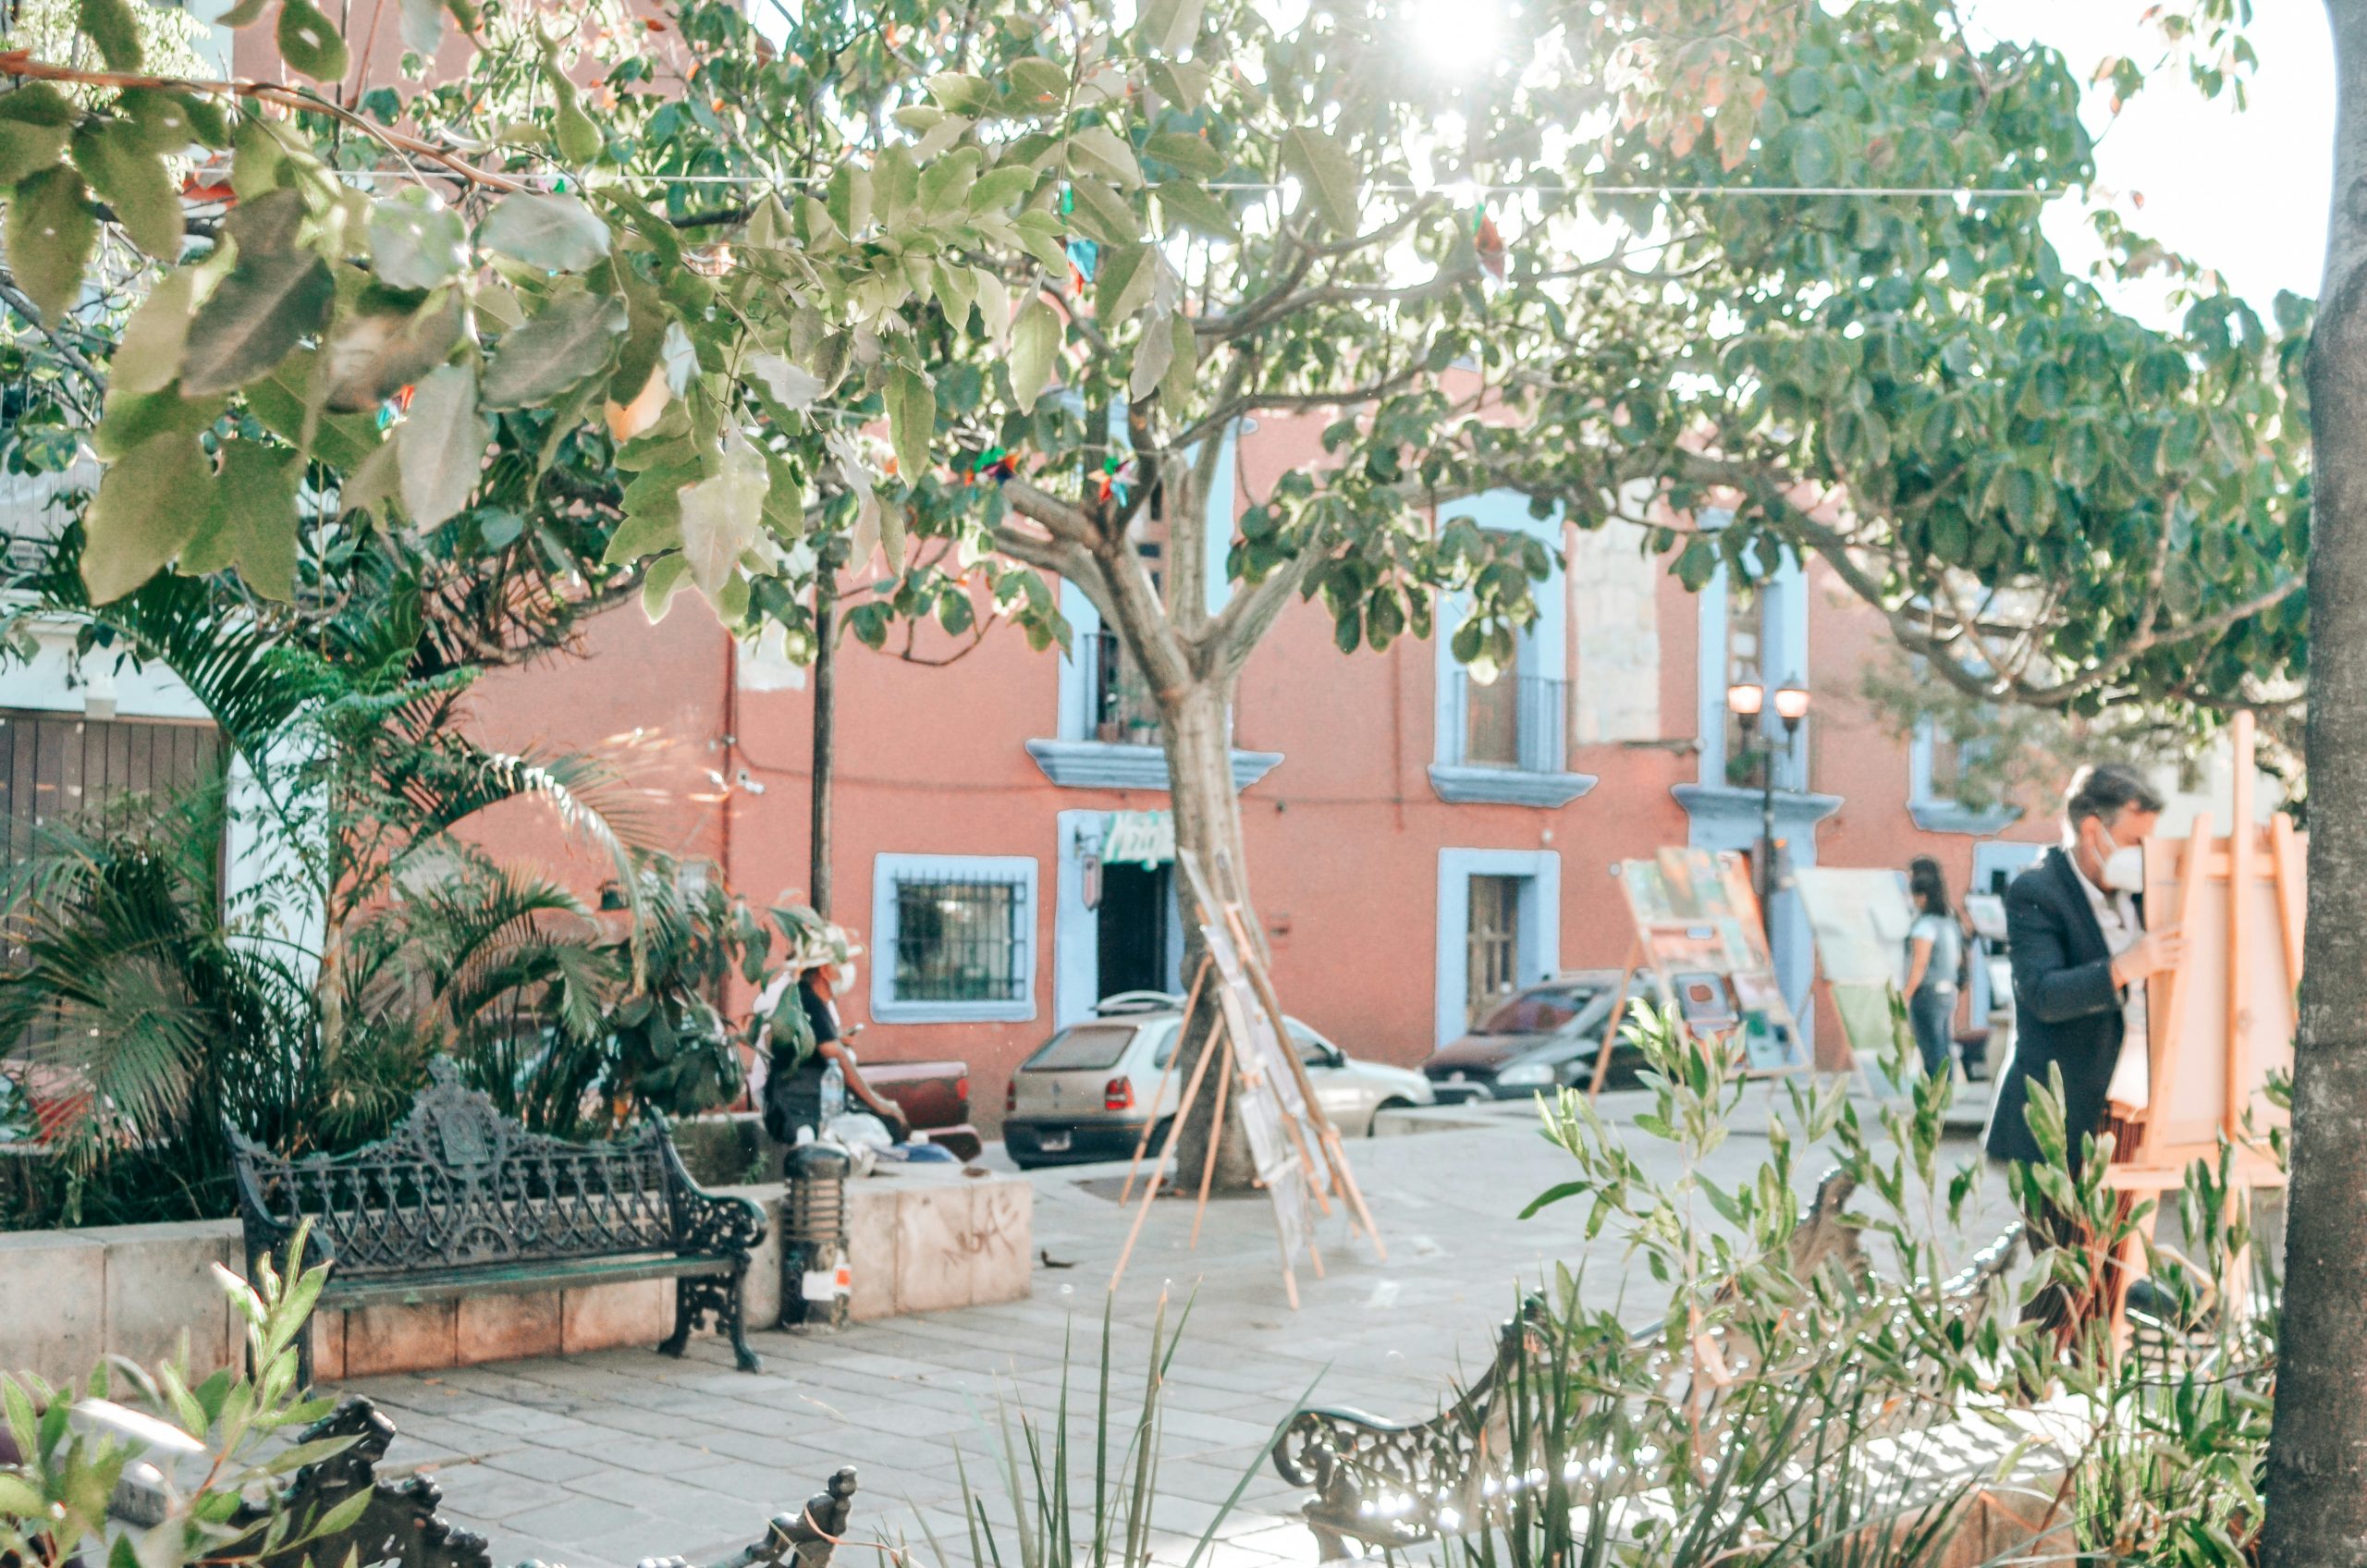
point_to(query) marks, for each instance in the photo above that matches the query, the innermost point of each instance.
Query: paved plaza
(600, 1459)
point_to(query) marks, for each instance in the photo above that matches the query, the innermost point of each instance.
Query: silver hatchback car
(1087, 1092)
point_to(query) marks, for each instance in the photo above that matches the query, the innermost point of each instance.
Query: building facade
(1416, 842)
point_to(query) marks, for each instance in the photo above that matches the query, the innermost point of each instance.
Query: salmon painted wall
(1343, 836)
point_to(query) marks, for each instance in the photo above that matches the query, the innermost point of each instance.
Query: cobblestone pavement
(598, 1460)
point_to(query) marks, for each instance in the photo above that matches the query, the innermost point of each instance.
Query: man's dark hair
(2107, 791)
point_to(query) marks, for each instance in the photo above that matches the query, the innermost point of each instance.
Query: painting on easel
(1700, 939)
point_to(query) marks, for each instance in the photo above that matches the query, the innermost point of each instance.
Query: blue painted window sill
(1507, 786)
(1105, 764)
(1946, 816)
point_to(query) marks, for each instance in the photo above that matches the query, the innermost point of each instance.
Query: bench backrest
(460, 1185)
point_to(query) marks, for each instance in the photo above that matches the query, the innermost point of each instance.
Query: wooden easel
(2240, 902)
(1225, 1050)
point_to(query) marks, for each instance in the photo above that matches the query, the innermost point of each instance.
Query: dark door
(1132, 928)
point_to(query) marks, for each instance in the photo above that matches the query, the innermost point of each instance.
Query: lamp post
(1748, 699)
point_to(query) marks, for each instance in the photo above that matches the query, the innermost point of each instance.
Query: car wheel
(1158, 1131)
(1373, 1127)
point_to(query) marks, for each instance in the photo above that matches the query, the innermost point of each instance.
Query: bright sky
(2246, 191)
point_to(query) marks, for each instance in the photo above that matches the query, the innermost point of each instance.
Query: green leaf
(1168, 27)
(416, 241)
(1809, 151)
(1331, 180)
(571, 338)
(558, 233)
(255, 318)
(51, 231)
(119, 166)
(580, 141)
(37, 103)
(723, 514)
(998, 188)
(131, 419)
(1034, 341)
(1184, 367)
(1190, 153)
(149, 356)
(1123, 284)
(244, 14)
(110, 24)
(911, 421)
(440, 449)
(1101, 148)
(148, 506)
(1103, 213)
(169, 122)
(372, 357)
(663, 581)
(1186, 84)
(267, 222)
(1182, 201)
(309, 41)
(1040, 235)
(25, 147)
(252, 522)
(282, 402)
(1038, 82)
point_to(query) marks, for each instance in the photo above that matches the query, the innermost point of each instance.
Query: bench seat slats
(453, 1284)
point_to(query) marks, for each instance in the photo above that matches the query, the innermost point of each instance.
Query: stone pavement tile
(759, 1486)
(569, 1517)
(1192, 1431)
(548, 1466)
(688, 1507)
(649, 1453)
(481, 1491)
(642, 1422)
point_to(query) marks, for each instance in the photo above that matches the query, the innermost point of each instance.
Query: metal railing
(1516, 722)
(1120, 707)
(961, 939)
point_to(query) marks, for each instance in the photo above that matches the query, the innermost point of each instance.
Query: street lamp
(1748, 699)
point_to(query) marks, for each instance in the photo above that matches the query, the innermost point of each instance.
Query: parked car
(1088, 1091)
(1540, 1038)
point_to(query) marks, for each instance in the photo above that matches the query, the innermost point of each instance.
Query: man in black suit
(2080, 954)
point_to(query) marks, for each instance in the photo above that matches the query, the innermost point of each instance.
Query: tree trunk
(2317, 1456)
(1195, 728)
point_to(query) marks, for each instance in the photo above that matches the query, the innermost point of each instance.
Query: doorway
(1492, 945)
(1130, 929)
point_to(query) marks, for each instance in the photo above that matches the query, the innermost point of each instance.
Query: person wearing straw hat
(811, 1070)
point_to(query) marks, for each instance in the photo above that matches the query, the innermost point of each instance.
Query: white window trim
(887, 871)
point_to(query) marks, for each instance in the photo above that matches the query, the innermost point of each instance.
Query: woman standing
(1934, 952)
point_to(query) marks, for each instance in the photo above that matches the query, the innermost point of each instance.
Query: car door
(1346, 1098)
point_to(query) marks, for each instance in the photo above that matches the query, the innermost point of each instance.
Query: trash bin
(815, 1280)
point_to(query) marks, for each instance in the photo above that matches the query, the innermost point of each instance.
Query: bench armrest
(709, 1224)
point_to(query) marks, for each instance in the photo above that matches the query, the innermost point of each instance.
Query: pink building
(1416, 842)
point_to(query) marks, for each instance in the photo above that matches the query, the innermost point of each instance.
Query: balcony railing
(1518, 723)
(1120, 708)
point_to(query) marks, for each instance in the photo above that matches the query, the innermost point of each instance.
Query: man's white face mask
(2124, 864)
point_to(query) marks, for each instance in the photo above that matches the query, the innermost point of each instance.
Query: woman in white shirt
(1934, 952)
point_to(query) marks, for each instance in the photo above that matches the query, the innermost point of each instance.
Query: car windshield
(1542, 1010)
(1082, 1047)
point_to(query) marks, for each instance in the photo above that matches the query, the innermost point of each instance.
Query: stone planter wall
(921, 1240)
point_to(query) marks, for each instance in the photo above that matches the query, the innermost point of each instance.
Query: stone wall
(922, 1239)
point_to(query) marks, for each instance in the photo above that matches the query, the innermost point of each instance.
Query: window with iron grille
(953, 938)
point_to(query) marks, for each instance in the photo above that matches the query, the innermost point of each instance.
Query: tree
(2317, 1457)
(1056, 261)
(1226, 218)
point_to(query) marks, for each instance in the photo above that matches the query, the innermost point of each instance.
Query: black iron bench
(461, 1200)
(1394, 1485)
